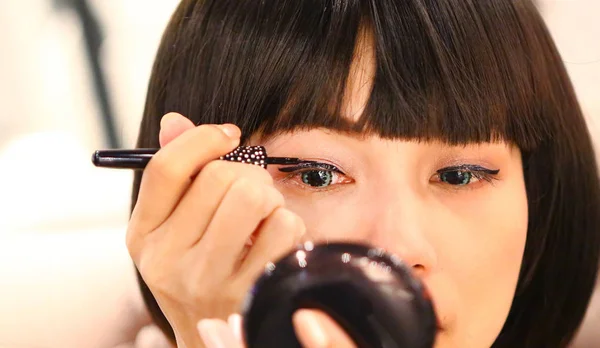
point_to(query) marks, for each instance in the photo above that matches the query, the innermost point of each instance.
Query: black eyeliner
(310, 165)
(470, 168)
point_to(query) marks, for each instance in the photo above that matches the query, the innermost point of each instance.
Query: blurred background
(73, 78)
(51, 117)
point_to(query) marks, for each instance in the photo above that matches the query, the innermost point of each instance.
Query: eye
(464, 175)
(316, 175)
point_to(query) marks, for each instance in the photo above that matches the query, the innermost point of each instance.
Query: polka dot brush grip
(256, 155)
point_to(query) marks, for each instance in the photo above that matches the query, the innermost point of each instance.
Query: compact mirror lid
(373, 295)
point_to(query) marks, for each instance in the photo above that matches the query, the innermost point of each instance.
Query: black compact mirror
(371, 294)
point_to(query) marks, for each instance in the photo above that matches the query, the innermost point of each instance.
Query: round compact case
(372, 295)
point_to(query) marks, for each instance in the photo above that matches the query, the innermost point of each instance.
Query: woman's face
(457, 214)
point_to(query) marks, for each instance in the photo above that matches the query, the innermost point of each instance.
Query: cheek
(483, 259)
(335, 218)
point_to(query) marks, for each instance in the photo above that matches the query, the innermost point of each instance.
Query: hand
(189, 231)
(313, 328)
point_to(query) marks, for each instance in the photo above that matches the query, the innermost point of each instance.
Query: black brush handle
(139, 158)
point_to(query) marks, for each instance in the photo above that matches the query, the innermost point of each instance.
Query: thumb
(317, 330)
(173, 125)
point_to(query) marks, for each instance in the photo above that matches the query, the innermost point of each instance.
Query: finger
(199, 204)
(171, 126)
(277, 235)
(217, 334)
(169, 173)
(317, 330)
(243, 208)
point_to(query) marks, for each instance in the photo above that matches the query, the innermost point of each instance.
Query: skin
(194, 218)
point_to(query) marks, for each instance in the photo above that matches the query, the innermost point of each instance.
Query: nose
(401, 226)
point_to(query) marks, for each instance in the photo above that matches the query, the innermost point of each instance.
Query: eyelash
(476, 172)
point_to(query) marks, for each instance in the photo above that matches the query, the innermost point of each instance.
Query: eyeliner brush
(139, 158)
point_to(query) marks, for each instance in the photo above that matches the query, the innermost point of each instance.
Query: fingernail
(230, 130)
(167, 118)
(311, 322)
(208, 332)
(235, 323)
(163, 121)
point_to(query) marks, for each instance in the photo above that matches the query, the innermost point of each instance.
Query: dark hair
(456, 70)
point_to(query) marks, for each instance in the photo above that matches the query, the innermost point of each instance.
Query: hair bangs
(442, 73)
(443, 70)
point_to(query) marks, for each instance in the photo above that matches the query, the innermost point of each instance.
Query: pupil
(456, 177)
(317, 178)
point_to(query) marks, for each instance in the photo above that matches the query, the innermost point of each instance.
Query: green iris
(317, 178)
(456, 177)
